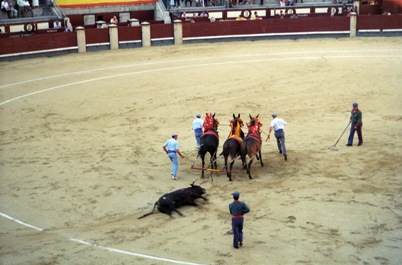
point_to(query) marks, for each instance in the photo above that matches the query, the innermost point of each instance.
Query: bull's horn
(192, 183)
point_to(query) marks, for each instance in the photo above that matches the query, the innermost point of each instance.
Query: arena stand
(37, 36)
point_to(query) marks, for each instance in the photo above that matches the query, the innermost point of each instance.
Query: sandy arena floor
(81, 154)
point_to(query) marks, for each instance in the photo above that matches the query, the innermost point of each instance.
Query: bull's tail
(145, 215)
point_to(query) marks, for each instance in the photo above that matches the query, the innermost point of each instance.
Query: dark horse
(209, 141)
(251, 145)
(231, 147)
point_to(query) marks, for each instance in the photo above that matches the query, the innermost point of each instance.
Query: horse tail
(244, 152)
(145, 215)
(225, 151)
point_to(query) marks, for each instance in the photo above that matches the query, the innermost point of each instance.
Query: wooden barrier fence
(187, 32)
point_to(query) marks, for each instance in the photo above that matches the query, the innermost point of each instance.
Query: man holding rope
(171, 147)
(278, 125)
(197, 128)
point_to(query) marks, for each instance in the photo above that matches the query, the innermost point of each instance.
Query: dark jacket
(356, 118)
(238, 208)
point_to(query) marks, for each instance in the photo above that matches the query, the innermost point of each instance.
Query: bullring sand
(82, 159)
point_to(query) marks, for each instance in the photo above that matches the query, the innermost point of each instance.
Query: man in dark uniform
(237, 210)
(357, 124)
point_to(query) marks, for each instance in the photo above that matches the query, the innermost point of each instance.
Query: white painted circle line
(20, 222)
(115, 250)
(132, 253)
(190, 66)
(191, 59)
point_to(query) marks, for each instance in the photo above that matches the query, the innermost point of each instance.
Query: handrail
(162, 5)
(58, 9)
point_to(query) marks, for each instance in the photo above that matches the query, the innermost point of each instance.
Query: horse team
(247, 147)
(236, 145)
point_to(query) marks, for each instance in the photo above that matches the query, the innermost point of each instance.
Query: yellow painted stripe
(85, 3)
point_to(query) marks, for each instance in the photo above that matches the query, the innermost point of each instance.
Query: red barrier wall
(392, 22)
(393, 6)
(379, 22)
(38, 42)
(96, 35)
(55, 40)
(129, 33)
(369, 22)
(161, 31)
(234, 27)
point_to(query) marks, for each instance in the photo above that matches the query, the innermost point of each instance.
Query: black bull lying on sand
(171, 201)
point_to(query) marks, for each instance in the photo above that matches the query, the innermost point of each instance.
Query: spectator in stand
(240, 18)
(13, 7)
(28, 9)
(21, 7)
(9, 9)
(57, 24)
(345, 10)
(67, 25)
(282, 3)
(255, 16)
(114, 20)
(171, 4)
(204, 13)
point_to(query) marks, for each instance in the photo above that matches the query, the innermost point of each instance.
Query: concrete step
(41, 13)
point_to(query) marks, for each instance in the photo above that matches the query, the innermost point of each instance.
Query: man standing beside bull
(237, 209)
(171, 147)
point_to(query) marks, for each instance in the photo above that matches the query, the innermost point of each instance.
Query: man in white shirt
(197, 128)
(171, 147)
(9, 9)
(27, 8)
(278, 125)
